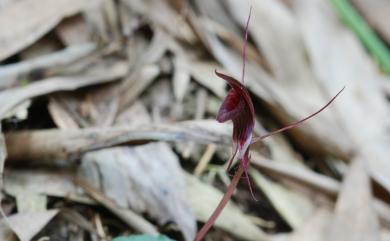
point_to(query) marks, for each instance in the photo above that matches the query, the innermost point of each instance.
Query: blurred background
(108, 119)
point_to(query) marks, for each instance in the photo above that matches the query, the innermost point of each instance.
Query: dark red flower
(238, 108)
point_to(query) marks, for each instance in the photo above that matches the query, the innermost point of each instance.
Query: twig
(11, 97)
(205, 159)
(10, 75)
(48, 145)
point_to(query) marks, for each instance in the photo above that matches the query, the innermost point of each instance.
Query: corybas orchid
(238, 107)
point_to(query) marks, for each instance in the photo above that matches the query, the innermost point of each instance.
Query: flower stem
(225, 199)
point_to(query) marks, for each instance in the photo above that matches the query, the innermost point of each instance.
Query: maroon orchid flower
(238, 108)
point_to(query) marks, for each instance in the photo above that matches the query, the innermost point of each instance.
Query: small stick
(205, 159)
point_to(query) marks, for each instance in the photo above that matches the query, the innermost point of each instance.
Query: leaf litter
(107, 103)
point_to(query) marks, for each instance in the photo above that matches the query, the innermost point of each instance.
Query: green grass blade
(370, 39)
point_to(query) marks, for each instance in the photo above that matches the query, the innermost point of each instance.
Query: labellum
(238, 108)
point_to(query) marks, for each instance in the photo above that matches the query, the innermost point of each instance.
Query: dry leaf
(11, 74)
(11, 97)
(161, 14)
(128, 216)
(6, 231)
(49, 183)
(204, 198)
(28, 201)
(354, 217)
(292, 206)
(339, 59)
(315, 228)
(181, 78)
(203, 72)
(40, 20)
(74, 31)
(24, 228)
(147, 178)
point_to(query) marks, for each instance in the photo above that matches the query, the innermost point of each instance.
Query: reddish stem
(226, 197)
(245, 44)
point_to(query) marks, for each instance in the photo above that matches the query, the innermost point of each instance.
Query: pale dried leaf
(203, 72)
(102, 20)
(292, 206)
(339, 59)
(73, 31)
(61, 117)
(23, 33)
(314, 228)
(181, 78)
(354, 217)
(93, 107)
(136, 83)
(127, 117)
(204, 198)
(147, 179)
(160, 13)
(13, 73)
(49, 183)
(303, 176)
(26, 229)
(131, 218)
(29, 201)
(11, 97)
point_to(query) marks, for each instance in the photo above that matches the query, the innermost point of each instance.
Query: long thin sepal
(256, 139)
(245, 44)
